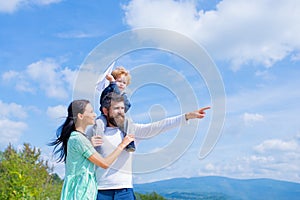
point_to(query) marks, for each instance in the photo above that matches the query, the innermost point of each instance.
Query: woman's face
(89, 115)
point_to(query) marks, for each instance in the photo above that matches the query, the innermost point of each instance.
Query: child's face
(121, 82)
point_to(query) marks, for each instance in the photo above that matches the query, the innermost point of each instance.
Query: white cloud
(10, 6)
(44, 2)
(264, 74)
(261, 159)
(12, 110)
(9, 75)
(258, 31)
(25, 86)
(57, 111)
(275, 166)
(76, 34)
(277, 145)
(11, 131)
(210, 167)
(276, 158)
(69, 76)
(252, 117)
(46, 75)
(11, 128)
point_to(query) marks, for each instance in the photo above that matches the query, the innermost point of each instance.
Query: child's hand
(110, 78)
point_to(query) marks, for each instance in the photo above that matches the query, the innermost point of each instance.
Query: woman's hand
(127, 139)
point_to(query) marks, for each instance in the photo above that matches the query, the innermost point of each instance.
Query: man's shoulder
(99, 119)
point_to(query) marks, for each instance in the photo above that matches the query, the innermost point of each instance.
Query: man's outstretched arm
(144, 131)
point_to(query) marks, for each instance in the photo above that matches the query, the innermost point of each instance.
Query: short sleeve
(80, 144)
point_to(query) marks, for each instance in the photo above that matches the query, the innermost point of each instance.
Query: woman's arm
(100, 161)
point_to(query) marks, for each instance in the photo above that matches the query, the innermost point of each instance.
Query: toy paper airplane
(103, 82)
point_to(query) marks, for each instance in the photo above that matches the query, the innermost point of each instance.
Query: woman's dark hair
(64, 131)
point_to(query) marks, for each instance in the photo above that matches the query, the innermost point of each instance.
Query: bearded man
(115, 183)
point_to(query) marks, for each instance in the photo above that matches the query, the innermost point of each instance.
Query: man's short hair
(112, 96)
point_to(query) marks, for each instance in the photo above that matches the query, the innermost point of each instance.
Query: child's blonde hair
(121, 71)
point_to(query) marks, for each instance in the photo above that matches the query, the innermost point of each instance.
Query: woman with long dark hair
(79, 154)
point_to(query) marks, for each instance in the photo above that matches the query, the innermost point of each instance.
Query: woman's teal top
(80, 179)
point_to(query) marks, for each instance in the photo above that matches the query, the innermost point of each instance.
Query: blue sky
(254, 45)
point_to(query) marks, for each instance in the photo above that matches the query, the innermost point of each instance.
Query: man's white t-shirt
(119, 174)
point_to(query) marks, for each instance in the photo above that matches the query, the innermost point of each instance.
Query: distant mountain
(215, 187)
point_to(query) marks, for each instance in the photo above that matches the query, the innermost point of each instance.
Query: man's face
(115, 114)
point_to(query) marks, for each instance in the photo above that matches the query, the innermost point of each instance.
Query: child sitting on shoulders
(119, 80)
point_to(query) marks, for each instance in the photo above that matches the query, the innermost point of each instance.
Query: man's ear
(105, 111)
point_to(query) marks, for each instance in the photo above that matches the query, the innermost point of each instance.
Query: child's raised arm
(110, 78)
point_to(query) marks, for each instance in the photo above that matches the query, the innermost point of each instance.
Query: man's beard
(117, 121)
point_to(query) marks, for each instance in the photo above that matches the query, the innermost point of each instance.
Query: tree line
(26, 176)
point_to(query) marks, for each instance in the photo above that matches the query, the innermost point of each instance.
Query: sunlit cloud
(10, 125)
(252, 118)
(277, 145)
(11, 131)
(242, 32)
(45, 75)
(12, 110)
(56, 112)
(9, 75)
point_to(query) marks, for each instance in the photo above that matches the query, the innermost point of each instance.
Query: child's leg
(99, 128)
(100, 125)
